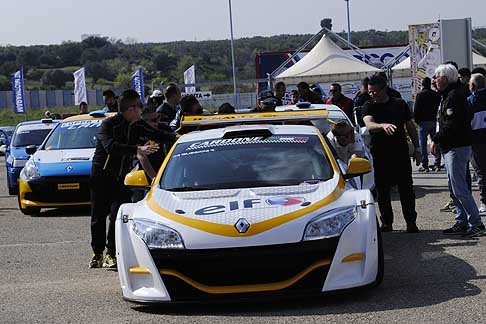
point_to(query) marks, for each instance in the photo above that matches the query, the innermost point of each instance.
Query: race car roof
(192, 123)
(249, 130)
(90, 116)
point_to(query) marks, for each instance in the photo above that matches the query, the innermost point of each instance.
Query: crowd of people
(450, 110)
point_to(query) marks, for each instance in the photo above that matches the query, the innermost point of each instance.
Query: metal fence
(42, 99)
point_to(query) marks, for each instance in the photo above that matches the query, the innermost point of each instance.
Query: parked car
(57, 173)
(25, 134)
(6, 133)
(257, 209)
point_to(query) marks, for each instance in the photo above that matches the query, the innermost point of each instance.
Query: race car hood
(18, 153)
(244, 212)
(64, 162)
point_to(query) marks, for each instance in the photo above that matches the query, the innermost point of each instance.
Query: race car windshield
(29, 136)
(74, 135)
(246, 162)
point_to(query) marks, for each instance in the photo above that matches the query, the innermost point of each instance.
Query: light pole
(232, 52)
(349, 22)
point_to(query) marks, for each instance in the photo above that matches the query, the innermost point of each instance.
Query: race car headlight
(329, 224)
(157, 236)
(18, 163)
(30, 171)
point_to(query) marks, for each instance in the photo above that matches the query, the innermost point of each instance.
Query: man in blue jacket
(477, 102)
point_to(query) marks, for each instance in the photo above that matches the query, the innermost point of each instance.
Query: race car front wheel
(31, 211)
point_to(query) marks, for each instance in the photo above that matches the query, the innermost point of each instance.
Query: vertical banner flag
(190, 78)
(18, 92)
(137, 83)
(79, 87)
(425, 52)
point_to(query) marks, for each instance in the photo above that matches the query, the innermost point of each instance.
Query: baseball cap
(156, 94)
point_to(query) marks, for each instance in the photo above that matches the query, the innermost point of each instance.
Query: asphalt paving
(44, 277)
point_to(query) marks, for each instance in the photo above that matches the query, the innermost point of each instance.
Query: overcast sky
(27, 22)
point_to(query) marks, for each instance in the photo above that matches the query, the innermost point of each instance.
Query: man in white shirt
(346, 142)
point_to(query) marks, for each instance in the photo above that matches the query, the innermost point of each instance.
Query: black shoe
(412, 228)
(475, 231)
(455, 230)
(386, 228)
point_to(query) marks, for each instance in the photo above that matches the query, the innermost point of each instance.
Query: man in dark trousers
(338, 99)
(118, 140)
(454, 139)
(477, 102)
(386, 119)
(425, 114)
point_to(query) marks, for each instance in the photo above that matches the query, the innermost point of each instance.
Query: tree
(123, 81)
(98, 70)
(56, 78)
(95, 42)
(5, 83)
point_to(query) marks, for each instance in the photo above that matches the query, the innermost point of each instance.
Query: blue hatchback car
(26, 133)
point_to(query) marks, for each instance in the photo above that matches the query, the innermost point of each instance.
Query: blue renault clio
(26, 133)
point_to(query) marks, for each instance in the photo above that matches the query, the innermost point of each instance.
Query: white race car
(247, 211)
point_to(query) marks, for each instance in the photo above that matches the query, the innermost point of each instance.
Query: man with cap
(266, 102)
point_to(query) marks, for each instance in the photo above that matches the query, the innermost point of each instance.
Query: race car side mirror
(357, 167)
(31, 149)
(136, 179)
(3, 149)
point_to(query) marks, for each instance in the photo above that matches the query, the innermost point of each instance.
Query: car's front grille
(59, 189)
(245, 266)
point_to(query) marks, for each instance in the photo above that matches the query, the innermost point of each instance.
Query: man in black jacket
(454, 139)
(118, 140)
(425, 114)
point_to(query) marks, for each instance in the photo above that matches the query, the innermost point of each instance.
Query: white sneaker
(482, 210)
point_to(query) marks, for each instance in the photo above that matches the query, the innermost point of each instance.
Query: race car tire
(381, 258)
(31, 211)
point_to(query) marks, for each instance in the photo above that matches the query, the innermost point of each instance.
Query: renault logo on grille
(69, 168)
(242, 225)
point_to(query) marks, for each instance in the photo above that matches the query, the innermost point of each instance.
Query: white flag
(79, 87)
(190, 78)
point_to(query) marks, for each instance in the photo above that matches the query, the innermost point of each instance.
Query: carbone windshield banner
(18, 92)
(82, 124)
(248, 140)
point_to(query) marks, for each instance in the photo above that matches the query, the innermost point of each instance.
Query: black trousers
(107, 194)
(394, 169)
(479, 153)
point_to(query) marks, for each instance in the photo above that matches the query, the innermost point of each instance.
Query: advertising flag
(18, 92)
(190, 78)
(80, 94)
(137, 83)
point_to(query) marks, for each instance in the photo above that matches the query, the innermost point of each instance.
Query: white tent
(325, 63)
(402, 70)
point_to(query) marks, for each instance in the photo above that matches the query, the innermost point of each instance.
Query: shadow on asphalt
(65, 212)
(418, 273)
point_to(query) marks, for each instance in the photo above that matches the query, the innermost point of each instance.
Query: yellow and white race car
(255, 209)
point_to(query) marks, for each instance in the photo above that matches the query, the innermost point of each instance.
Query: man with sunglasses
(386, 119)
(118, 141)
(338, 99)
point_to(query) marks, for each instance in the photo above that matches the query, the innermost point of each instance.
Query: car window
(31, 134)
(245, 162)
(74, 135)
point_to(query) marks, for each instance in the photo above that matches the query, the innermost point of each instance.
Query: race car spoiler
(190, 123)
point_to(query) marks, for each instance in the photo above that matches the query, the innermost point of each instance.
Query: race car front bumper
(51, 192)
(302, 268)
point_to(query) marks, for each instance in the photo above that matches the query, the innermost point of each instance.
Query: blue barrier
(34, 100)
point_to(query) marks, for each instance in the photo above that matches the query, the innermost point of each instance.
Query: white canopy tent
(325, 63)
(402, 70)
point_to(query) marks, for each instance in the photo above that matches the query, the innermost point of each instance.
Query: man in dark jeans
(477, 102)
(118, 140)
(425, 114)
(386, 118)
